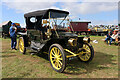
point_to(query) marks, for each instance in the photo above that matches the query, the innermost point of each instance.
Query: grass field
(16, 65)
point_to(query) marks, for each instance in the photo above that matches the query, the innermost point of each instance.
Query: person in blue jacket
(13, 36)
(108, 36)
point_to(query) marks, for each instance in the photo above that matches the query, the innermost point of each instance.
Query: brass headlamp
(86, 39)
(72, 42)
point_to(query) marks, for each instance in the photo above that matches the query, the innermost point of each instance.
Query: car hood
(67, 34)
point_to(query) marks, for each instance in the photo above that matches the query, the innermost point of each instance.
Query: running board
(36, 48)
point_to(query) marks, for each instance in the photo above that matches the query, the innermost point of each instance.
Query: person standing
(13, 36)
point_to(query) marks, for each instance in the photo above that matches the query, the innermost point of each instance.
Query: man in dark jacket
(13, 36)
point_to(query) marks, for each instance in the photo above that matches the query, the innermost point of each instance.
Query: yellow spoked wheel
(87, 53)
(21, 46)
(57, 58)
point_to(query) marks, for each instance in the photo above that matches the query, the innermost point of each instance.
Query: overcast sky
(98, 12)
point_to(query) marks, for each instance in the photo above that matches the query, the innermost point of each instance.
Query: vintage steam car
(46, 32)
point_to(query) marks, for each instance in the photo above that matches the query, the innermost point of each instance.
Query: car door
(35, 37)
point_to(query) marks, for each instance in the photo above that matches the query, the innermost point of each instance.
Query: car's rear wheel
(57, 57)
(87, 53)
(21, 45)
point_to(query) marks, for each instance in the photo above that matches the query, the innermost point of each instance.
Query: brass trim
(72, 53)
(72, 42)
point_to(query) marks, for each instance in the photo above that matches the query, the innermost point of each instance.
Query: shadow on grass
(75, 67)
(43, 55)
(6, 51)
(7, 56)
(99, 62)
(38, 54)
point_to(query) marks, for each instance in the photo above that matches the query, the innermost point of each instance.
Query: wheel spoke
(81, 53)
(87, 57)
(60, 55)
(56, 51)
(87, 50)
(57, 64)
(59, 52)
(53, 54)
(88, 54)
(60, 62)
(60, 59)
(54, 60)
(53, 57)
(83, 57)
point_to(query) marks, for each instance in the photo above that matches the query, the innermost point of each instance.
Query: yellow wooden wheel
(57, 58)
(87, 53)
(21, 45)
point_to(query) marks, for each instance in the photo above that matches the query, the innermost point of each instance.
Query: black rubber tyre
(23, 49)
(91, 55)
(4, 36)
(60, 51)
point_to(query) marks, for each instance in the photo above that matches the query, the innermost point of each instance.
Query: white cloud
(89, 8)
(60, 0)
(101, 0)
(41, 0)
(0, 12)
(28, 6)
(83, 7)
(73, 6)
(73, 17)
(54, 7)
(99, 22)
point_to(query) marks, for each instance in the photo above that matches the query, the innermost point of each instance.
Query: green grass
(104, 64)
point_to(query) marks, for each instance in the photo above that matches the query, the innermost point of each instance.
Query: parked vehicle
(0, 32)
(20, 30)
(45, 35)
(99, 30)
(5, 29)
(80, 26)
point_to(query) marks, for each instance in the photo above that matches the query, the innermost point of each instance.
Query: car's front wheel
(57, 57)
